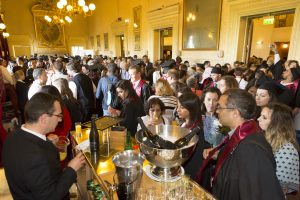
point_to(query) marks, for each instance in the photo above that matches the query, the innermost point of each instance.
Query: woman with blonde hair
(277, 122)
(164, 92)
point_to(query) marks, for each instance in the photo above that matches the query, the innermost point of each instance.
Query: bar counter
(102, 170)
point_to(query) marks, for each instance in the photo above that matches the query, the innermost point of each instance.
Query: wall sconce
(191, 17)
(285, 46)
(126, 21)
(259, 42)
(3, 30)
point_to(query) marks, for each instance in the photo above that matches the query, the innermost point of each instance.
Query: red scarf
(138, 88)
(241, 132)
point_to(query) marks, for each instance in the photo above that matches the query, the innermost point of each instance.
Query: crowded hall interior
(149, 99)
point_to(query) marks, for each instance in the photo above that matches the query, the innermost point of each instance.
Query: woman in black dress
(189, 109)
(129, 108)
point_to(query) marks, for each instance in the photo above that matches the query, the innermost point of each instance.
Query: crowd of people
(247, 114)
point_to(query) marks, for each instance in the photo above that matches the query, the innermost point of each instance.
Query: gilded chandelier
(62, 11)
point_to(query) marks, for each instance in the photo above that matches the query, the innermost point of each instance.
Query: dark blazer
(249, 172)
(131, 110)
(277, 70)
(22, 94)
(145, 93)
(85, 95)
(32, 168)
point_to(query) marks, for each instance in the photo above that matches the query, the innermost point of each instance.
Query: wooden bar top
(105, 170)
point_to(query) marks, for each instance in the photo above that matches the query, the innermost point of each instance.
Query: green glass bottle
(128, 142)
(94, 136)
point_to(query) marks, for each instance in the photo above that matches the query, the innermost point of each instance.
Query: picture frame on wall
(48, 35)
(137, 41)
(92, 42)
(201, 24)
(137, 13)
(105, 37)
(98, 41)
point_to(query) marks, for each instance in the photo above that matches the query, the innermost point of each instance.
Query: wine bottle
(128, 143)
(181, 142)
(95, 155)
(94, 136)
(154, 140)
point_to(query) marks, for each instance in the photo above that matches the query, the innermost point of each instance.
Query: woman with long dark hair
(130, 107)
(189, 110)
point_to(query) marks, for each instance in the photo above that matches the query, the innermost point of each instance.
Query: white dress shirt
(43, 137)
(34, 88)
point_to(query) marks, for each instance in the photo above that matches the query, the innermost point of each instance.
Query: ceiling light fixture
(62, 10)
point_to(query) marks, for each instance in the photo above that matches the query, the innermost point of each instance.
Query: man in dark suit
(31, 162)
(149, 70)
(84, 88)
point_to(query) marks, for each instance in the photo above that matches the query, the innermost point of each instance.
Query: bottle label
(94, 146)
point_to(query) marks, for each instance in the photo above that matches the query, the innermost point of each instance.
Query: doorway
(163, 39)
(258, 32)
(120, 51)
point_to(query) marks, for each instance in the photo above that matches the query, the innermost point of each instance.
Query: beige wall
(156, 14)
(267, 34)
(20, 25)
(163, 13)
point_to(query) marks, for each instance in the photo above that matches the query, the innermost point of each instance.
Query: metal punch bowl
(167, 162)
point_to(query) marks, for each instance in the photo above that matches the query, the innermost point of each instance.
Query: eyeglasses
(58, 115)
(220, 108)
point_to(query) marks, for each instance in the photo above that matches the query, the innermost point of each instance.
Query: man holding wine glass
(31, 161)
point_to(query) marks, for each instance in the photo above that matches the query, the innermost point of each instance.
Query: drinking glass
(146, 194)
(78, 131)
(61, 145)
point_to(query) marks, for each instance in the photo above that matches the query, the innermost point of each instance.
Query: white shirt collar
(75, 74)
(230, 133)
(43, 137)
(136, 83)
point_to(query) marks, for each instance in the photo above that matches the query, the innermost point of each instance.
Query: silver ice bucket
(129, 171)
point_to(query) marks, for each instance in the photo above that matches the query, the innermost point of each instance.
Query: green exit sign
(268, 21)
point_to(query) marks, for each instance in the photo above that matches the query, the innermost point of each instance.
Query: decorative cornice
(169, 11)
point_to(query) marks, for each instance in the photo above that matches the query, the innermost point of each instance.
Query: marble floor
(4, 190)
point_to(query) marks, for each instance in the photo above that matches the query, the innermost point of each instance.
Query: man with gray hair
(40, 79)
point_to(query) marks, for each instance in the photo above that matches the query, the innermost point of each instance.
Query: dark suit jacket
(249, 172)
(131, 110)
(22, 93)
(145, 93)
(32, 168)
(277, 70)
(85, 95)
